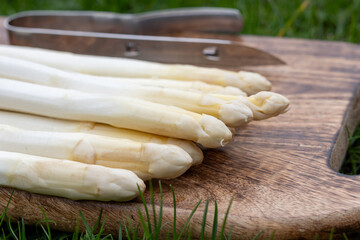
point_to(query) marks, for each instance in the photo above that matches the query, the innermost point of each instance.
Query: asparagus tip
(268, 104)
(194, 151)
(248, 82)
(235, 114)
(215, 132)
(166, 161)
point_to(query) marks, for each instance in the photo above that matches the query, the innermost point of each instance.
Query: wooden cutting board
(281, 172)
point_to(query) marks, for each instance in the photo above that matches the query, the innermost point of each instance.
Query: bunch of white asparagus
(90, 127)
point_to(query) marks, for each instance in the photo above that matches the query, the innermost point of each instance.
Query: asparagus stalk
(250, 83)
(68, 179)
(39, 123)
(232, 113)
(263, 104)
(147, 160)
(117, 111)
(22, 69)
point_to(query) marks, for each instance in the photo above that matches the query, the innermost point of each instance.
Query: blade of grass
(174, 202)
(289, 23)
(19, 229)
(168, 234)
(23, 233)
(12, 232)
(225, 219)
(126, 231)
(273, 235)
(3, 214)
(65, 237)
(203, 225)
(230, 231)
(101, 230)
(153, 202)
(189, 234)
(143, 224)
(158, 227)
(353, 27)
(345, 237)
(97, 221)
(130, 228)
(47, 221)
(331, 234)
(316, 237)
(189, 218)
(45, 232)
(88, 231)
(162, 226)
(75, 235)
(215, 222)
(146, 210)
(136, 231)
(120, 232)
(258, 235)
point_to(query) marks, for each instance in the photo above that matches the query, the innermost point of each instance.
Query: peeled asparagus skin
(142, 158)
(39, 123)
(250, 83)
(67, 179)
(117, 111)
(232, 113)
(263, 104)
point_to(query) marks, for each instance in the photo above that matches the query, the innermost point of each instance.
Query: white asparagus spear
(263, 104)
(232, 113)
(67, 179)
(147, 160)
(11, 67)
(117, 111)
(39, 123)
(249, 82)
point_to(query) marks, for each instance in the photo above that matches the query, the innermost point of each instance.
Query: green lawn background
(321, 19)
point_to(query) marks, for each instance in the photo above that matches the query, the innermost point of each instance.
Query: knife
(140, 36)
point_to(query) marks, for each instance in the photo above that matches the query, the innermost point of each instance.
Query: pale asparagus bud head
(249, 82)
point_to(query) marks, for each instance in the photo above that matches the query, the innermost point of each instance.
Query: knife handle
(164, 22)
(205, 19)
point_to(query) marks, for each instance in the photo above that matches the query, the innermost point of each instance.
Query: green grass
(351, 164)
(320, 19)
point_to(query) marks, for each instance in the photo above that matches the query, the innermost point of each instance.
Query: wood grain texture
(278, 171)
